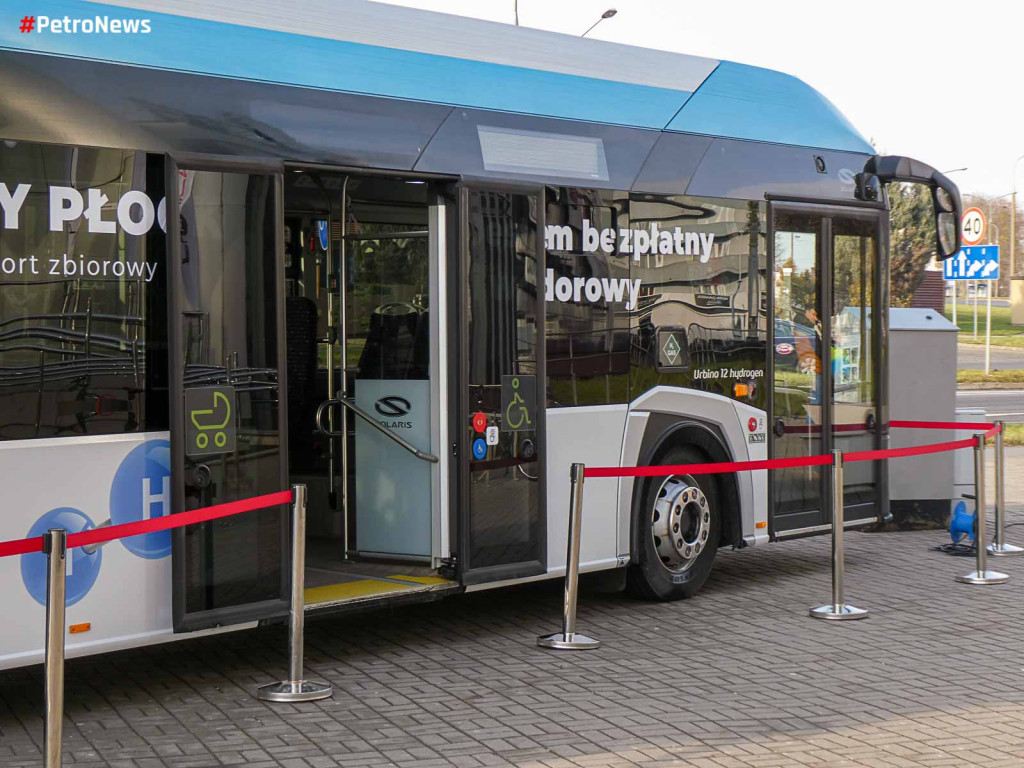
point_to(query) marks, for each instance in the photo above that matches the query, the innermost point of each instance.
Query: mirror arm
(884, 169)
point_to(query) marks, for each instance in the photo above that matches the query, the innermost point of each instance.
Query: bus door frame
(461, 444)
(236, 614)
(827, 209)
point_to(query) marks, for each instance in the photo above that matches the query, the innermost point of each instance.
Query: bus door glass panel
(228, 439)
(854, 398)
(503, 417)
(387, 338)
(798, 372)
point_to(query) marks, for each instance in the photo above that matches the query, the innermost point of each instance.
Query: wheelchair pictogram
(518, 402)
(517, 414)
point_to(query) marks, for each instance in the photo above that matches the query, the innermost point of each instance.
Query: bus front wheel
(678, 526)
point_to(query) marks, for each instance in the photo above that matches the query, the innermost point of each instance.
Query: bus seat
(301, 326)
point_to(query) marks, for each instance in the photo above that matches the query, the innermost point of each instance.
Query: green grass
(1014, 434)
(1003, 333)
(1009, 376)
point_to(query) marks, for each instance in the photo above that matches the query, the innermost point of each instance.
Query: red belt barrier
(706, 469)
(914, 450)
(21, 546)
(111, 532)
(971, 425)
(809, 461)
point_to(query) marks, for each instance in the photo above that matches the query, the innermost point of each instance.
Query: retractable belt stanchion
(999, 547)
(568, 639)
(837, 610)
(55, 547)
(981, 575)
(296, 688)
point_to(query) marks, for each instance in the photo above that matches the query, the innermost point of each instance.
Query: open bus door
(228, 430)
(500, 421)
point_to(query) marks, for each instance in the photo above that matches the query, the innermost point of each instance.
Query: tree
(912, 239)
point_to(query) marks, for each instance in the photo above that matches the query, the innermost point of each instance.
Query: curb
(997, 347)
(991, 385)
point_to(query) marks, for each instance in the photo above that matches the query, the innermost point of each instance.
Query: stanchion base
(844, 612)
(571, 642)
(983, 577)
(1004, 550)
(298, 690)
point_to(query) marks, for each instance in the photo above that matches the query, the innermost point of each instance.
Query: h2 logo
(80, 569)
(142, 491)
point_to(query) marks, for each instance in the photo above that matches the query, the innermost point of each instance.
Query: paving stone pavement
(739, 676)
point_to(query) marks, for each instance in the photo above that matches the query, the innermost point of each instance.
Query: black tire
(648, 577)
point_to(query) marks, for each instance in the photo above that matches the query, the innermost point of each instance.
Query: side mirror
(945, 195)
(947, 216)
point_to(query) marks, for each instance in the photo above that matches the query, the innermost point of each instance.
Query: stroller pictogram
(214, 420)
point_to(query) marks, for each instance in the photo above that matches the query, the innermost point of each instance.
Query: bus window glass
(797, 359)
(854, 254)
(587, 291)
(231, 379)
(503, 333)
(82, 292)
(700, 322)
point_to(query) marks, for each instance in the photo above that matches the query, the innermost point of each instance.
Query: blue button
(81, 568)
(479, 448)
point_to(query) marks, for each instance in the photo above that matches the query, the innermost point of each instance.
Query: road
(1005, 404)
(981, 304)
(1004, 358)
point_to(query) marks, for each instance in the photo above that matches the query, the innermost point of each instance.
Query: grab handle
(372, 422)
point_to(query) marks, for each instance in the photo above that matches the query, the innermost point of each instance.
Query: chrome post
(342, 267)
(296, 688)
(568, 639)
(999, 547)
(982, 575)
(55, 545)
(837, 610)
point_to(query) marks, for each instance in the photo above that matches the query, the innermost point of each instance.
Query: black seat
(397, 345)
(301, 326)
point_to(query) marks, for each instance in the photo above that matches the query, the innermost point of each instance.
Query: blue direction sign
(974, 262)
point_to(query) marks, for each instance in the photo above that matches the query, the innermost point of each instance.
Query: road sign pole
(977, 266)
(988, 329)
(975, 310)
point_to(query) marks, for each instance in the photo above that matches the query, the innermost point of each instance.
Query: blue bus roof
(370, 48)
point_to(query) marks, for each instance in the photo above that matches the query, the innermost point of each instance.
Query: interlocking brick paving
(739, 676)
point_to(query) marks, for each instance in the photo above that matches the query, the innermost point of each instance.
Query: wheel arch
(664, 432)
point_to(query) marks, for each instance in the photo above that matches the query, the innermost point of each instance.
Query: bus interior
(357, 310)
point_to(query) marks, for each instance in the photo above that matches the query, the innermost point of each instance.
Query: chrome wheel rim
(680, 523)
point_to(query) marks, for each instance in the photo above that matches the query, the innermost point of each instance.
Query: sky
(912, 75)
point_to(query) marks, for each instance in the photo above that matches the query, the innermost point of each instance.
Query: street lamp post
(1013, 220)
(606, 15)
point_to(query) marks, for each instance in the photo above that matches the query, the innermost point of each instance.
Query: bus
(420, 264)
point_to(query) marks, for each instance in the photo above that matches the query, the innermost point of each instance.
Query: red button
(479, 422)
(752, 424)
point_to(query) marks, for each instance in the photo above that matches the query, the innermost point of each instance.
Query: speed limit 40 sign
(972, 227)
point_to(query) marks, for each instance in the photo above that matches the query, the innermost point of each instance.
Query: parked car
(792, 341)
